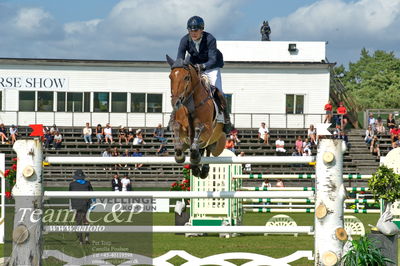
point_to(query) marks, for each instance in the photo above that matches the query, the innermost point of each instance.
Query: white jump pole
(299, 176)
(330, 234)
(176, 194)
(171, 160)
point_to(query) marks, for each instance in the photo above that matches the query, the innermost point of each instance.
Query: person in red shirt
(328, 112)
(342, 111)
(394, 132)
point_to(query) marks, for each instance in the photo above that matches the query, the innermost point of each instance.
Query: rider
(205, 56)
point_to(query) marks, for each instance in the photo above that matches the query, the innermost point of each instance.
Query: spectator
(246, 167)
(343, 136)
(116, 183)
(122, 135)
(380, 128)
(299, 145)
(328, 112)
(263, 134)
(99, 133)
(280, 146)
(230, 145)
(296, 153)
(138, 140)
(81, 206)
(372, 121)
(158, 134)
(106, 153)
(390, 122)
(58, 139)
(336, 132)
(131, 135)
(54, 129)
(266, 184)
(108, 134)
(162, 150)
(87, 134)
(126, 183)
(279, 183)
(374, 148)
(369, 135)
(394, 134)
(234, 136)
(342, 111)
(115, 153)
(137, 153)
(312, 134)
(307, 147)
(48, 139)
(126, 153)
(13, 134)
(3, 133)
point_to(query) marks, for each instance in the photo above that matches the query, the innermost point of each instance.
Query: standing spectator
(266, 184)
(246, 167)
(48, 139)
(99, 133)
(328, 112)
(369, 135)
(58, 139)
(81, 206)
(230, 145)
(3, 133)
(108, 134)
(279, 183)
(280, 146)
(54, 129)
(138, 140)
(374, 148)
(342, 111)
(299, 145)
(380, 128)
(137, 153)
(13, 134)
(312, 134)
(87, 134)
(122, 135)
(234, 136)
(126, 183)
(390, 122)
(372, 121)
(263, 134)
(116, 183)
(158, 134)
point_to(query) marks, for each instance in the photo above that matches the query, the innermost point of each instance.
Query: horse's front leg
(178, 144)
(195, 155)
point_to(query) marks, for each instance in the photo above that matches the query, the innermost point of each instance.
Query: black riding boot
(227, 119)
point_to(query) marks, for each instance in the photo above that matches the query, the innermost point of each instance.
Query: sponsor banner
(129, 204)
(33, 82)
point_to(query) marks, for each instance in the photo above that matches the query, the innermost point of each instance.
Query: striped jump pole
(298, 176)
(286, 200)
(267, 209)
(352, 189)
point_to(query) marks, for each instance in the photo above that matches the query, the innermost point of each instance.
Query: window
(74, 101)
(294, 104)
(228, 98)
(86, 106)
(138, 102)
(26, 101)
(101, 101)
(1, 101)
(154, 103)
(60, 101)
(118, 102)
(45, 101)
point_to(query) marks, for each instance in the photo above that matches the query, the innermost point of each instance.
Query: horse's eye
(187, 78)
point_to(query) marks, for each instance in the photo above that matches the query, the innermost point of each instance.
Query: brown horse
(193, 119)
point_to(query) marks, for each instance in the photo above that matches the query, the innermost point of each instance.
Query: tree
(373, 81)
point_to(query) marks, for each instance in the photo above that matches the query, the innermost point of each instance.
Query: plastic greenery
(10, 176)
(385, 184)
(184, 185)
(364, 252)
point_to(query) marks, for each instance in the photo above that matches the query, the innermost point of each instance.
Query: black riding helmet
(195, 23)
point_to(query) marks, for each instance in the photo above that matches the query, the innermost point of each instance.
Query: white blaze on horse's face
(176, 73)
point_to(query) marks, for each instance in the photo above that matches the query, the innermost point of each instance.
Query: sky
(149, 29)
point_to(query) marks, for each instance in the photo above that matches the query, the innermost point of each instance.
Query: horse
(194, 117)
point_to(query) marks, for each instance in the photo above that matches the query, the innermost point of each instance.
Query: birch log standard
(28, 195)
(330, 234)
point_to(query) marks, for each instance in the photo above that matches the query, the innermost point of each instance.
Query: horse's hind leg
(196, 171)
(205, 167)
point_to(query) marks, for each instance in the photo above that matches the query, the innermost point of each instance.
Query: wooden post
(330, 234)
(28, 195)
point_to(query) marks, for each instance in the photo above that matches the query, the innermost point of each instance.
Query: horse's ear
(187, 61)
(170, 60)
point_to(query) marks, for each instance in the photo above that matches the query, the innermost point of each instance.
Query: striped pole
(307, 210)
(353, 189)
(269, 200)
(299, 176)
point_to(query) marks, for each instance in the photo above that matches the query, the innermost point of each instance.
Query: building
(285, 84)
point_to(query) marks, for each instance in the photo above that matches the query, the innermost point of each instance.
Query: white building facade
(285, 84)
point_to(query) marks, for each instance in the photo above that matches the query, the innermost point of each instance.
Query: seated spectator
(230, 145)
(137, 153)
(162, 150)
(54, 129)
(58, 139)
(263, 134)
(246, 167)
(380, 128)
(108, 134)
(312, 134)
(122, 135)
(374, 148)
(13, 134)
(3, 133)
(369, 135)
(328, 112)
(99, 133)
(138, 140)
(296, 153)
(48, 139)
(306, 147)
(393, 134)
(115, 152)
(342, 112)
(158, 134)
(234, 136)
(126, 153)
(299, 145)
(131, 135)
(87, 134)
(106, 153)
(126, 183)
(266, 184)
(279, 183)
(116, 183)
(372, 121)
(280, 146)
(390, 122)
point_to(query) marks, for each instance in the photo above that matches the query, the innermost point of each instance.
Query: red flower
(186, 166)
(7, 172)
(188, 188)
(14, 159)
(173, 184)
(8, 194)
(14, 167)
(186, 181)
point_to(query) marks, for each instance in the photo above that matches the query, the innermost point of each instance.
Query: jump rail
(299, 176)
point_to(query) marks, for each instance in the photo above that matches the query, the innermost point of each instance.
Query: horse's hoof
(180, 159)
(204, 171)
(195, 157)
(195, 170)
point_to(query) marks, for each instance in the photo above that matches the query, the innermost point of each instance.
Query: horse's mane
(180, 63)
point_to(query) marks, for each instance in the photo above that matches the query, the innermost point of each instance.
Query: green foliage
(374, 80)
(385, 184)
(364, 252)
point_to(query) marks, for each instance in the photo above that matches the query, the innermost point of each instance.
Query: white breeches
(214, 76)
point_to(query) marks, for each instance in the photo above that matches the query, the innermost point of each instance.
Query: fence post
(28, 195)
(330, 234)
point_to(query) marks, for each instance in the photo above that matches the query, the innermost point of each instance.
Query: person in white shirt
(280, 146)
(108, 134)
(138, 140)
(126, 183)
(87, 134)
(266, 183)
(13, 133)
(263, 134)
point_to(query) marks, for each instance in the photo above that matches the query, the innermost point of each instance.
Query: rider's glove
(200, 67)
